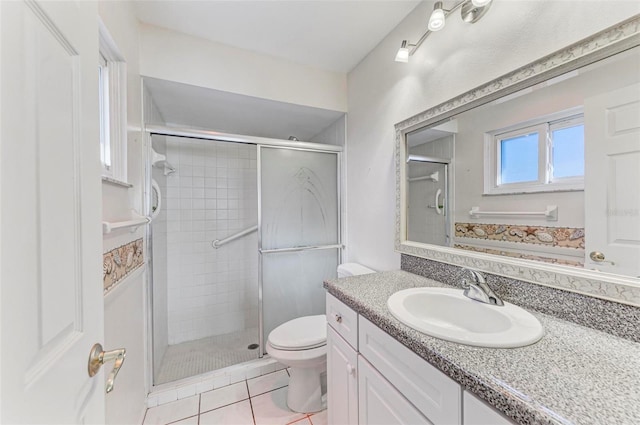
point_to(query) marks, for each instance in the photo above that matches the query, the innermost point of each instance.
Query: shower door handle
(300, 248)
(437, 202)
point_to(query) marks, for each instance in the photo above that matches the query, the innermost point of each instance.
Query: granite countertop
(573, 375)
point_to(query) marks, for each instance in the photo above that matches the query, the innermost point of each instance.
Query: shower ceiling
(328, 34)
(184, 105)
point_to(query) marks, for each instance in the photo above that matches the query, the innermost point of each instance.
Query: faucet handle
(476, 292)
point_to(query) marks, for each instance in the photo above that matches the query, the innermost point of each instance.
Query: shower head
(293, 139)
(168, 169)
(159, 160)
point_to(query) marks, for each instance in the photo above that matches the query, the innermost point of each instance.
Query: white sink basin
(446, 313)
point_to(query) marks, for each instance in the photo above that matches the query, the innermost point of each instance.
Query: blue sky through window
(568, 151)
(519, 159)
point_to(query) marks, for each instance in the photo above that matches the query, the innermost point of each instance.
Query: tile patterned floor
(257, 401)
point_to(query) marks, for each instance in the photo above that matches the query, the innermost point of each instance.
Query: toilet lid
(300, 334)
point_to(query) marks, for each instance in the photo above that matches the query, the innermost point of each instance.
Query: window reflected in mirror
(550, 173)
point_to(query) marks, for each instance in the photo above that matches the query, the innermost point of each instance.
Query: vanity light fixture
(470, 11)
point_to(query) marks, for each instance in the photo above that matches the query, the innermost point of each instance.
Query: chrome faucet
(478, 289)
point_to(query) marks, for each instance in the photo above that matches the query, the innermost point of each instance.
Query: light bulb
(436, 20)
(480, 3)
(402, 55)
(403, 52)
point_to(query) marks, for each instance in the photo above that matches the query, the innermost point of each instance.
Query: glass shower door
(427, 201)
(299, 239)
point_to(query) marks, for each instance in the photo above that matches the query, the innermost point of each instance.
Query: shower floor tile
(207, 354)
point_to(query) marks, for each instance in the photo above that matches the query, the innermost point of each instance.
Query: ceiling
(327, 34)
(190, 106)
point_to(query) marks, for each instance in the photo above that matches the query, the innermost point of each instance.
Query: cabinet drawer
(436, 395)
(343, 320)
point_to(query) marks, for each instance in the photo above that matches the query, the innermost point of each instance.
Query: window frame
(113, 108)
(545, 181)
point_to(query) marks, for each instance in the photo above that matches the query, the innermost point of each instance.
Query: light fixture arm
(470, 14)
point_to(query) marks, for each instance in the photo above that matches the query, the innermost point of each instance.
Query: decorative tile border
(603, 44)
(607, 316)
(561, 237)
(511, 254)
(120, 262)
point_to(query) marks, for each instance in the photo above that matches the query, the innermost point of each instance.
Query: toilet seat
(303, 333)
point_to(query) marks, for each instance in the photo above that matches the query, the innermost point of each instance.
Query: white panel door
(50, 193)
(612, 173)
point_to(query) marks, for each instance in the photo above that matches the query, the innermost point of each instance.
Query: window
(537, 156)
(112, 94)
(103, 99)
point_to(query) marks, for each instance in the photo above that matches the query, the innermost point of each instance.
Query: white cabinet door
(477, 412)
(342, 380)
(379, 403)
(436, 395)
(612, 173)
(50, 235)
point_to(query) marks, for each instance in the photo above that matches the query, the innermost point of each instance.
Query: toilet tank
(353, 269)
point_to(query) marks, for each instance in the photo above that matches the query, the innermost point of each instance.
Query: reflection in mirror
(430, 153)
(550, 173)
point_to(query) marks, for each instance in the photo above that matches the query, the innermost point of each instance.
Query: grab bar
(219, 242)
(300, 248)
(551, 213)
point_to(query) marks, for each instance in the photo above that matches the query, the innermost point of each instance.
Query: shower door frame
(151, 130)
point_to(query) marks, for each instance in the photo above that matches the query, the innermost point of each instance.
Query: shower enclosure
(429, 200)
(245, 231)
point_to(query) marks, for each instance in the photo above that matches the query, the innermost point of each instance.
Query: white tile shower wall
(212, 195)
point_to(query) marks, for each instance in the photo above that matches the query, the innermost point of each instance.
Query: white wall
(382, 92)
(335, 134)
(173, 56)
(125, 307)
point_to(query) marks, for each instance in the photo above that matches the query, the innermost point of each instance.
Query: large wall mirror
(535, 175)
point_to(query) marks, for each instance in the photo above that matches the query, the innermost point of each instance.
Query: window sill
(546, 188)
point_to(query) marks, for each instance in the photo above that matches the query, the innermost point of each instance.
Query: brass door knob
(598, 257)
(98, 357)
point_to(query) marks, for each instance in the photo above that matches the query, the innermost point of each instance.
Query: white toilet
(301, 344)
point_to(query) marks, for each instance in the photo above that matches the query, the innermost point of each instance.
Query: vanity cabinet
(477, 412)
(380, 403)
(342, 380)
(436, 395)
(373, 379)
